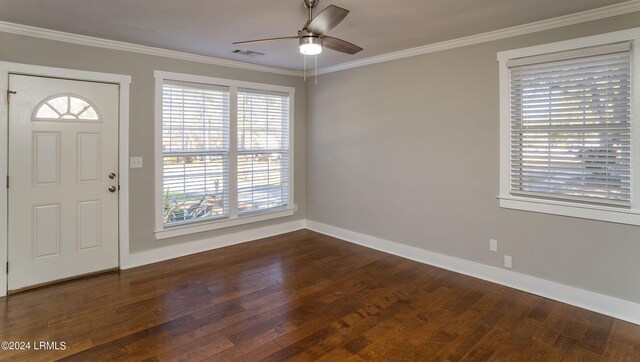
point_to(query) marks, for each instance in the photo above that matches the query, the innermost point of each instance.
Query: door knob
(112, 188)
(112, 175)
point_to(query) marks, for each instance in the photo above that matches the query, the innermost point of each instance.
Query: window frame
(163, 231)
(567, 208)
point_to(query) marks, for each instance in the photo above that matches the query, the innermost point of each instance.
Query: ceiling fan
(312, 38)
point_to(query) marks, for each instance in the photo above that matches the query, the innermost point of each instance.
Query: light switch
(493, 245)
(508, 261)
(135, 162)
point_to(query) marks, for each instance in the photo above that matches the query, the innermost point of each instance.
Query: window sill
(592, 212)
(198, 227)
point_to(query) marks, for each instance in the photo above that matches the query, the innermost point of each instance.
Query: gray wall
(20, 49)
(376, 161)
(408, 151)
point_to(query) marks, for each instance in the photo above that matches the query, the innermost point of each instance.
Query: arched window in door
(65, 107)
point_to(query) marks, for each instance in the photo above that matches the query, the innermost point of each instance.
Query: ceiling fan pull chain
(315, 58)
(305, 67)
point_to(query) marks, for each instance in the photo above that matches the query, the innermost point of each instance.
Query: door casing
(123, 81)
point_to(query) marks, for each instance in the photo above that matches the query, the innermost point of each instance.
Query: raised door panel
(46, 231)
(46, 158)
(88, 155)
(89, 228)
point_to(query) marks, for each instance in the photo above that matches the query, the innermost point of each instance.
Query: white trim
(292, 152)
(600, 303)
(635, 123)
(123, 205)
(42, 33)
(504, 83)
(182, 77)
(178, 250)
(567, 208)
(570, 44)
(123, 165)
(198, 227)
(4, 166)
(566, 20)
(162, 232)
(157, 151)
(591, 212)
(233, 153)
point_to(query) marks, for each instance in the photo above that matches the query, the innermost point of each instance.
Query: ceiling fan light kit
(310, 45)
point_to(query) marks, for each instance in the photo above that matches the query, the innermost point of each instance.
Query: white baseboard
(596, 302)
(178, 250)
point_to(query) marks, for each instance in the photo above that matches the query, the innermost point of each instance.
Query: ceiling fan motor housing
(310, 4)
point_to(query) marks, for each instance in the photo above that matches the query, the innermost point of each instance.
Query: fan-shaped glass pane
(46, 111)
(66, 107)
(60, 104)
(89, 114)
(77, 105)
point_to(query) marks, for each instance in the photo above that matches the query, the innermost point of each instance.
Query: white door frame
(123, 81)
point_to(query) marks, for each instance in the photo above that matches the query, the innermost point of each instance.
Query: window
(263, 139)
(65, 107)
(567, 128)
(195, 147)
(223, 153)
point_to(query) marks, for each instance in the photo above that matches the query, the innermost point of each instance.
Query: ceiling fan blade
(327, 19)
(340, 45)
(267, 39)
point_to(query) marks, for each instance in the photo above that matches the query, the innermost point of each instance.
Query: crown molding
(571, 19)
(19, 29)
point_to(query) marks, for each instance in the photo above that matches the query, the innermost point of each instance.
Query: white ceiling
(208, 27)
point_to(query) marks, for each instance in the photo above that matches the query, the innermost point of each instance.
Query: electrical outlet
(493, 245)
(135, 162)
(508, 261)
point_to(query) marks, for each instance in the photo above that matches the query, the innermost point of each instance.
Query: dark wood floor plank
(307, 297)
(617, 351)
(542, 310)
(597, 335)
(626, 333)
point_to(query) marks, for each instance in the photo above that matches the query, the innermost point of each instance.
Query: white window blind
(263, 150)
(195, 146)
(571, 125)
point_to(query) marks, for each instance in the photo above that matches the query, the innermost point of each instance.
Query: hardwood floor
(304, 296)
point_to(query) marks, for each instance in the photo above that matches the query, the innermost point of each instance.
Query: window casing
(223, 153)
(568, 128)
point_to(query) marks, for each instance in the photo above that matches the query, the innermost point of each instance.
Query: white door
(63, 182)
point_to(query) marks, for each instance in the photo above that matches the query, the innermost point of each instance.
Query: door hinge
(9, 93)
(7, 267)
